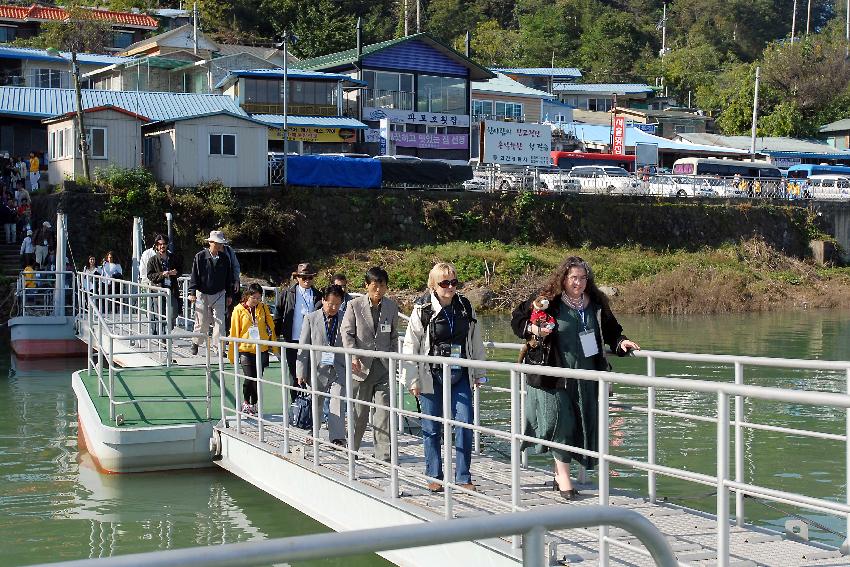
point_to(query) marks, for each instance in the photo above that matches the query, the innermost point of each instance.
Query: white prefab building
(218, 146)
(114, 137)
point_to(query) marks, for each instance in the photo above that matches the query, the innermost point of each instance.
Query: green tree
(494, 46)
(448, 19)
(610, 46)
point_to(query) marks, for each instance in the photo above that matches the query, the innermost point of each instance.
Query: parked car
(680, 186)
(605, 179)
(827, 187)
(477, 184)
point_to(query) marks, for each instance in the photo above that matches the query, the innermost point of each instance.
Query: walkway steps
(692, 535)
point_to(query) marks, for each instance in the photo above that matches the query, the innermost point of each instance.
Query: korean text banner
(517, 143)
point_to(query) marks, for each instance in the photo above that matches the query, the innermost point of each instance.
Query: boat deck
(175, 382)
(692, 534)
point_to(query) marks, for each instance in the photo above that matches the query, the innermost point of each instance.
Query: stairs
(10, 260)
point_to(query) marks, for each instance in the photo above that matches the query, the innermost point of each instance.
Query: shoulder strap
(467, 307)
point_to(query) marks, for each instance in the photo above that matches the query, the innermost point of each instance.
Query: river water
(55, 506)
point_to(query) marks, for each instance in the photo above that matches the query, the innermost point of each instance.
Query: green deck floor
(176, 382)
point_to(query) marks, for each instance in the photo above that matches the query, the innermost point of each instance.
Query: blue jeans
(432, 431)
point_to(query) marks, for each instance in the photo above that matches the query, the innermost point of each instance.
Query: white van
(605, 179)
(827, 187)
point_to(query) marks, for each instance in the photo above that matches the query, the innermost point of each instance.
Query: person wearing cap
(27, 250)
(293, 305)
(44, 242)
(210, 287)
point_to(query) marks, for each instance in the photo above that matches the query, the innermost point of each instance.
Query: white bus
(725, 168)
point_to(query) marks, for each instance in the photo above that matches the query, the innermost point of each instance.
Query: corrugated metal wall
(415, 56)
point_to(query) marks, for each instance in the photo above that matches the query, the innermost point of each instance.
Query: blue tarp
(325, 171)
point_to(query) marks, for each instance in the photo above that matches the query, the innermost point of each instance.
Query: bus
(725, 168)
(569, 160)
(804, 171)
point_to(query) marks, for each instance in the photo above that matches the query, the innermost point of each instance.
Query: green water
(55, 506)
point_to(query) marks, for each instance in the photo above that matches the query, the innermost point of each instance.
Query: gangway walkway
(265, 449)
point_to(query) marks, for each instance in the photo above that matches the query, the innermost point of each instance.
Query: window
(96, 140)
(121, 39)
(384, 81)
(600, 104)
(47, 78)
(436, 129)
(8, 34)
(509, 110)
(61, 143)
(441, 94)
(223, 144)
(482, 109)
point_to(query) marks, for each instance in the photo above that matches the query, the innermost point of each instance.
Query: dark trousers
(248, 365)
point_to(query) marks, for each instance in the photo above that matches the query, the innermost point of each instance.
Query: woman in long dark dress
(565, 410)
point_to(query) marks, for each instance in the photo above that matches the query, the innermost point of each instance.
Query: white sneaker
(254, 410)
(247, 408)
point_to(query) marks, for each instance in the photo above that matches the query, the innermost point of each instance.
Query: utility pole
(847, 31)
(755, 117)
(794, 22)
(418, 16)
(664, 31)
(808, 17)
(195, 28)
(404, 10)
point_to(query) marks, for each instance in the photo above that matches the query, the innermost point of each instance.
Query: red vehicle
(569, 160)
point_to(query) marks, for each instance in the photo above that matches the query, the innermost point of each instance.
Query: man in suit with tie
(322, 328)
(371, 323)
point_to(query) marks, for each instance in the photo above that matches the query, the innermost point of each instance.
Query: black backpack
(301, 412)
(428, 312)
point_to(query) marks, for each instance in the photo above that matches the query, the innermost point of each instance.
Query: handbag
(301, 411)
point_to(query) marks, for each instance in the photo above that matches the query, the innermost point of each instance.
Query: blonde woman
(443, 324)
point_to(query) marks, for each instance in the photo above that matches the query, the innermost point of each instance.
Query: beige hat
(305, 269)
(217, 236)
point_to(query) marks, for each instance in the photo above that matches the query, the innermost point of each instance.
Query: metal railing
(44, 293)
(379, 98)
(723, 481)
(532, 525)
(118, 310)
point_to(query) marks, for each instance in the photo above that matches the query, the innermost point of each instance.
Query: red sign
(619, 135)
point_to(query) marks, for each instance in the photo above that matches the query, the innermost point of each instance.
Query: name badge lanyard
(586, 338)
(455, 348)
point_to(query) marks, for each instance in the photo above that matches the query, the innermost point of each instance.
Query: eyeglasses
(160, 243)
(448, 283)
(306, 278)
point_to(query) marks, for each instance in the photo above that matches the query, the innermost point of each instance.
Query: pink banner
(434, 141)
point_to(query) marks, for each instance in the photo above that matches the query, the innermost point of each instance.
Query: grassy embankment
(750, 276)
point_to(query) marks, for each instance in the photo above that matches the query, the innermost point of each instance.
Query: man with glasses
(293, 305)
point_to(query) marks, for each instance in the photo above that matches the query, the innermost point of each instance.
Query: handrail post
(349, 417)
(845, 546)
(393, 432)
(109, 361)
(90, 347)
(476, 419)
(258, 366)
(221, 388)
(739, 446)
(100, 355)
(448, 442)
(722, 476)
(523, 388)
(237, 370)
(515, 458)
(169, 341)
(651, 447)
(284, 394)
(315, 412)
(604, 478)
(534, 548)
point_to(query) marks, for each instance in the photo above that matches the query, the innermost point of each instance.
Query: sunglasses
(306, 278)
(448, 283)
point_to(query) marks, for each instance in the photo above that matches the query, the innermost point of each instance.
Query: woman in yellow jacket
(251, 319)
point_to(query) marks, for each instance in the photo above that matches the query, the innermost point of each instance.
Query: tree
(494, 46)
(448, 19)
(609, 48)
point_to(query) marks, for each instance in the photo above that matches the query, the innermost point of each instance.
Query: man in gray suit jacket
(322, 328)
(371, 323)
